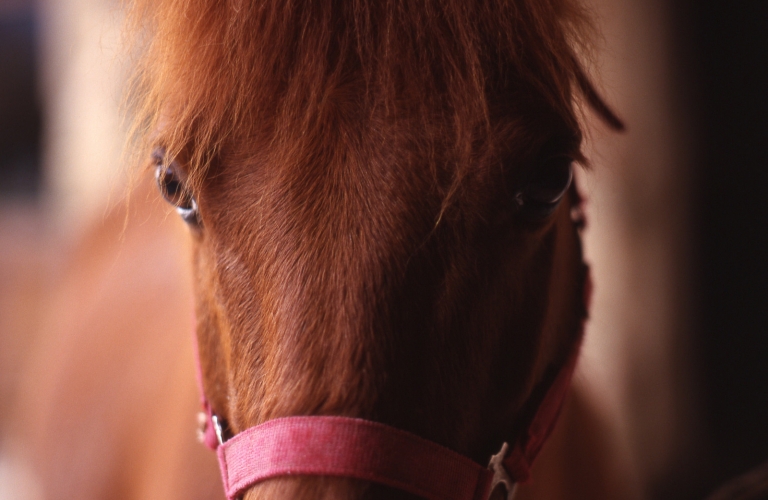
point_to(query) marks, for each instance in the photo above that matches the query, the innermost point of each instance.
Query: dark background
(723, 51)
(20, 117)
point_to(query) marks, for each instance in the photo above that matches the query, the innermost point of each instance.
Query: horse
(385, 227)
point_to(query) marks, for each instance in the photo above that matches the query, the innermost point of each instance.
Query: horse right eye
(174, 191)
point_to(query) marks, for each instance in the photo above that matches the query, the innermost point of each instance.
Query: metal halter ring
(500, 474)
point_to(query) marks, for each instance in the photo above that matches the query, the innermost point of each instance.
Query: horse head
(381, 200)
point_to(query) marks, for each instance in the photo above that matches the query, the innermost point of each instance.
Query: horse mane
(212, 72)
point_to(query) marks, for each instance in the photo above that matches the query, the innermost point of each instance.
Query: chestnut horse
(383, 220)
(380, 196)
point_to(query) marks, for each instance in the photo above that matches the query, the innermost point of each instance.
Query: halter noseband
(372, 451)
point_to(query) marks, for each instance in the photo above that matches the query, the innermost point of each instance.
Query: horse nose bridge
(346, 273)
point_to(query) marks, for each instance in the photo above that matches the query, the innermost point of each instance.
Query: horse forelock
(216, 72)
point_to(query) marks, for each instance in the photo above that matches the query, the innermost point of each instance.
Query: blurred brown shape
(108, 399)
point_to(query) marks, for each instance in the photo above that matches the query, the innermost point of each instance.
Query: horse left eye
(549, 183)
(174, 191)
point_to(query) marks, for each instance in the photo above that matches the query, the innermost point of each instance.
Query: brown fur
(361, 253)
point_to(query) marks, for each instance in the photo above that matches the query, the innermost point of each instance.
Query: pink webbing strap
(349, 447)
(207, 431)
(520, 459)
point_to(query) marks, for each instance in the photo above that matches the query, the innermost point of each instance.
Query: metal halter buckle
(217, 427)
(202, 427)
(500, 474)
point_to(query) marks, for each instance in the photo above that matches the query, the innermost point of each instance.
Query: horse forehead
(278, 222)
(329, 184)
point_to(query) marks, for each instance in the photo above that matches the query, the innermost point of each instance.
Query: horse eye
(547, 186)
(173, 190)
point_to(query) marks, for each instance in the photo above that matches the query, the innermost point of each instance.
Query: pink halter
(372, 451)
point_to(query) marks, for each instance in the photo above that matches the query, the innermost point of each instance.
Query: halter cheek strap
(372, 451)
(208, 430)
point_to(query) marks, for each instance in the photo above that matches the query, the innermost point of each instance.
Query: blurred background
(677, 348)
